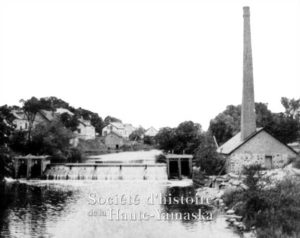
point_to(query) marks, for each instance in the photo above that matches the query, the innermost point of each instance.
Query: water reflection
(27, 209)
(182, 200)
(61, 209)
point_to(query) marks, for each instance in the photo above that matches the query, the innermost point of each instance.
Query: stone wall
(236, 162)
(112, 141)
(255, 151)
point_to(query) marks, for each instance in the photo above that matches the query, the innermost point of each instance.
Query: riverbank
(260, 204)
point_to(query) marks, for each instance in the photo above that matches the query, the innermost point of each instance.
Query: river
(106, 208)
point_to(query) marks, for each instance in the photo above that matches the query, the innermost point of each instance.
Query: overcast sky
(148, 62)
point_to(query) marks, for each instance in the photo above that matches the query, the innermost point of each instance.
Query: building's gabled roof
(114, 133)
(48, 115)
(63, 110)
(236, 142)
(118, 125)
(151, 129)
(19, 115)
(86, 123)
(129, 127)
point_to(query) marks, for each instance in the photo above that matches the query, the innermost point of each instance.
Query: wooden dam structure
(176, 167)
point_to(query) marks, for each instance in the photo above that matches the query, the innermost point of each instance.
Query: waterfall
(106, 172)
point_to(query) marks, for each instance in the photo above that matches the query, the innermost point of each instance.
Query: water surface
(65, 209)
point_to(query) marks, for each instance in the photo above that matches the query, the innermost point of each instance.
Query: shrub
(232, 197)
(207, 158)
(160, 158)
(6, 165)
(253, 176)
(296, 163)
(75, 156)
(275, 212)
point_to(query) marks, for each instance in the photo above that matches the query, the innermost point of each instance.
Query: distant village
(114, 136)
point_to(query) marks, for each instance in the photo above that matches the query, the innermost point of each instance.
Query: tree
(95, 119)
(18, 142)
(6, 124)
(6, 166)
(207, 158)
(227, 124)
(185, 138)
(31, 107)
(51, 139)
(166, 139)
(97, 122)
(6, 129)
(149, 140)
(137, 135)
(188, 136)
(291, 106)
(284, 128)
(69, 121)
(54, 103)
(110, 119)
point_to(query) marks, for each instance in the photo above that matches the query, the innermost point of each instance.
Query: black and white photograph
(150, 118)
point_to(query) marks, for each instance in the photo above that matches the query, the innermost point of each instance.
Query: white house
(85, 130)
(20, 120)
(128, 129)
(151, 132)
(22, 123)
(121, 129)
(115, 127)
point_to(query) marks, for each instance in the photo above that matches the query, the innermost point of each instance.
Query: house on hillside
(252, 145)
(61, 110)
(114, 140)
(115, 127)
(22, 123)
(128, 129)
(119, 128)
(85, 130)
(151, 132)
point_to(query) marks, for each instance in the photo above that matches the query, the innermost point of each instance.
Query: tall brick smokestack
(248, 118)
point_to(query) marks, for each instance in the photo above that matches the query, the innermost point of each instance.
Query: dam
(119, 166)
(106, 171)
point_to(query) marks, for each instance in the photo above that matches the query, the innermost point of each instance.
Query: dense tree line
(189, 138)
(51, 138)
(284, 126)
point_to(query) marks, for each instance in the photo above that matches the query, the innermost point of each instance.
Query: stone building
(252, 145)
(259, 148)
(114, 140)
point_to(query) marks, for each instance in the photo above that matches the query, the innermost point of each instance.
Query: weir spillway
(106, 171)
